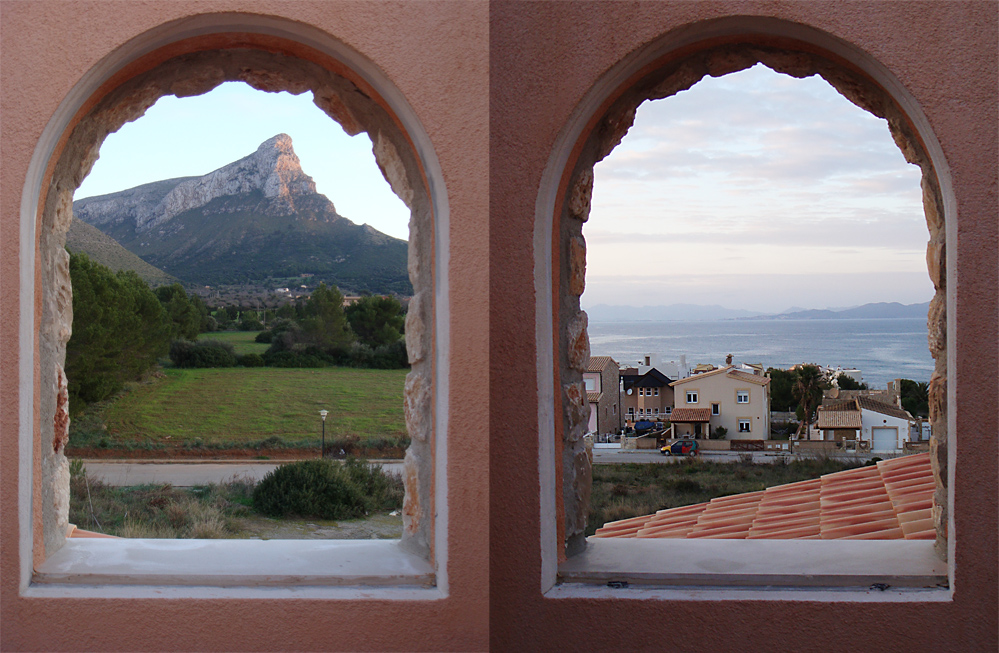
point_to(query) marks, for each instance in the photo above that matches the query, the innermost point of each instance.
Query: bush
(264, 337)
(250, 324)
(324, 489)
(209, 353)
(250, 360)
(719, 433)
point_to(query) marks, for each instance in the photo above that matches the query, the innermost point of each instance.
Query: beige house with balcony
(601, 381)
(725, 397)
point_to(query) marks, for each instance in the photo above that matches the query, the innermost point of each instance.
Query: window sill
(238, 568)
(708, 568)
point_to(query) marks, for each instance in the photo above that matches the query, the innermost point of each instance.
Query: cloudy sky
(756, 191)
(193, 136)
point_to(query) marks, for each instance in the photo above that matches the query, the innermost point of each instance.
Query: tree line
(122, 329)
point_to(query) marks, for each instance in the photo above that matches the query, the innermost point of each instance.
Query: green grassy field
(236, 405)
(242, 341)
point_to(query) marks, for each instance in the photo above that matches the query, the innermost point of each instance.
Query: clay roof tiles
(688, 415)
(890, 500)
(880, 407)
(599, 363)
(839, 419)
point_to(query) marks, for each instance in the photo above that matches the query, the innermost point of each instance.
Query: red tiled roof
(599, 363)
(887, 501)
(751, 378)
(688, 415)
(593, 397)
(880, 407)
(839, 419)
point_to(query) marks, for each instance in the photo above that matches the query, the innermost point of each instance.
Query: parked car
(680, 448)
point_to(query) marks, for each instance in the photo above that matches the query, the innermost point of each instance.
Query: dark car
(680, 448)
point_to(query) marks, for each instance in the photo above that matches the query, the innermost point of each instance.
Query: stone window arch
(674, 63)
(189, 58)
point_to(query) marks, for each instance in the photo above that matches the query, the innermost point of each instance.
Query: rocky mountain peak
(274, 170)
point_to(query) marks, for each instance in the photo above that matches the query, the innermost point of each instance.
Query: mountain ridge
(257, 218)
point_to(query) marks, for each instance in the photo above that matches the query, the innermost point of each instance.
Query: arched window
(597, 127)
(191, 58)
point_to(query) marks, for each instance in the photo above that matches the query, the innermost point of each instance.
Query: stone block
(417, 405)
(577, 411)
(582, 193)
(936, 264)
(578, 342)
(936, 325)
(577, 265)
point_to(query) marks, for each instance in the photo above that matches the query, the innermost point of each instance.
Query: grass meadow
(243, 405)
(629, 490)
(241, 341)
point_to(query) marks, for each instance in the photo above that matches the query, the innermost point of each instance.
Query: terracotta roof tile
(839, 419)
(599, 363)
(880, 407)
(594, 397)
(687, 415)
(887, 501)
(750, 378)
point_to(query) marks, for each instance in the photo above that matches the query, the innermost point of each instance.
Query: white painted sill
(239, 568)
(765, 569)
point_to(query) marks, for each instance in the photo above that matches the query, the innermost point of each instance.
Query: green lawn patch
(632, 489)
(239, 406)
(242, 341)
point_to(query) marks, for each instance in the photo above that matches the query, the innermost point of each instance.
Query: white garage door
(885, 440)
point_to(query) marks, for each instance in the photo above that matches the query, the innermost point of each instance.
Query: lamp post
(323, 414)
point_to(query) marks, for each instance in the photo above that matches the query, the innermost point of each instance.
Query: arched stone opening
(661, 77)
(192, 67)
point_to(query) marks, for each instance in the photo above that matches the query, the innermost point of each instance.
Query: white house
(884, 426)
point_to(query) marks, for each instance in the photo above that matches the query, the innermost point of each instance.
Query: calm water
(881, 349)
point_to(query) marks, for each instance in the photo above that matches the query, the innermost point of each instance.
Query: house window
(716, 409)
(691, 396)
(744, 425)
(657, 411)
(631, 411)
(668, 410)
(590, 384)
(742, 397)
(656, 391)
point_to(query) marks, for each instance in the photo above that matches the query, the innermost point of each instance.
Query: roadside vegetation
(629, 490)
(235, 509)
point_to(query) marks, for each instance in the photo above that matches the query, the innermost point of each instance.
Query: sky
(181, 137)
(756, 191)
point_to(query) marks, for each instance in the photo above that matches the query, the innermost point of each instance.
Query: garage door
(885, 440)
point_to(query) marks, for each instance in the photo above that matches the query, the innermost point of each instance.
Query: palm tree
(807, 389)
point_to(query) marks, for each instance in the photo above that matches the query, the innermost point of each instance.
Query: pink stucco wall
(436, 55)
(944, 54)
(493, 83)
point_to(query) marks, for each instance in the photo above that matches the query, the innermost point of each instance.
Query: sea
(882, 349)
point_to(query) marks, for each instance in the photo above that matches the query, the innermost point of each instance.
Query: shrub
(250, 324)
(209, 353)
(250, 360)
(324, 489)
(719, 433)
(264, 337)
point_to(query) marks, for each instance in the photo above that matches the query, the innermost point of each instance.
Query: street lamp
(323, 414)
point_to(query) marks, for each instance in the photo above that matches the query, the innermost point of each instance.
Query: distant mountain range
(695, 313)
(254, 219)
